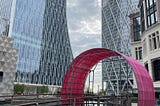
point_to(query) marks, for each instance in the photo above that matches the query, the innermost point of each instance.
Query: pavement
(134, 104)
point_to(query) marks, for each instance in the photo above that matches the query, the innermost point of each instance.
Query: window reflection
(136, 28)
(151, 12)
(138, 53)
(154, 41)
(142, 19)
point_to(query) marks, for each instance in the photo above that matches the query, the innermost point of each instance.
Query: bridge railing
(55, 100)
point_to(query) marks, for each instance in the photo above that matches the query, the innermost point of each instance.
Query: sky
(84, 25)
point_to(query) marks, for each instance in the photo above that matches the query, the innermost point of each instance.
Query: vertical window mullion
(157, 40)
(136, 53)
(150, 42)
(140, 53)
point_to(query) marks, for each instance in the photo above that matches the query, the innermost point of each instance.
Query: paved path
(134, 104)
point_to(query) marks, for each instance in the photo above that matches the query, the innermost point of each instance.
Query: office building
(8, 60)
(39, 29)
(145, 39)
(116, 36)
(56, 53)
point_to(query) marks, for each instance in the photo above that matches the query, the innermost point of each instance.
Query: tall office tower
(5, 10)
(115, 36)
(56, 51)
(145, 38)
(40, 33)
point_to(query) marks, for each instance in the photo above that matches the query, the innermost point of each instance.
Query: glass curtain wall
(116, 36)
(41, 35)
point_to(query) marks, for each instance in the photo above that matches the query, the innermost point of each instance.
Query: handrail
(73, 100)
(98, 99)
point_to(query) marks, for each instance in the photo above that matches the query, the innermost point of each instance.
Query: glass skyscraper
(39, 29)
(56, 52)
(116, 36)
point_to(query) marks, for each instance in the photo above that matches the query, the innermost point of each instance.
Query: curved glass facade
(116, 36)
(41, 35)
(55, 52)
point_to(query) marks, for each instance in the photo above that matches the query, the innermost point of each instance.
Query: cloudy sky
(84, 24)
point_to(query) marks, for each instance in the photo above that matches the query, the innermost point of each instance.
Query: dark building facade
(56, 51)
(41, 35)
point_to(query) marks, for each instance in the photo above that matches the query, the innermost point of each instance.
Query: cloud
(71, 3)
(84, 16)
(91, 26)
(84, 24)
(83, 8)
(81, 42)
(99, 2)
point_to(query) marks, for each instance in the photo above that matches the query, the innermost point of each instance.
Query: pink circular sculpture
(74, 80)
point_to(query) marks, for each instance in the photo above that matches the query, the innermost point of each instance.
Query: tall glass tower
(40, 33)
(56, 51)
(115, 36)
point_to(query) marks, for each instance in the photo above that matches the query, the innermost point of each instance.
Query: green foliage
(19, 88)
(134, 99)
(88, 91)
(43, 89)
(102, 92)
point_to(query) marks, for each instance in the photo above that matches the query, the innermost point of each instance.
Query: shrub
(134, 99)
(43, 89)
(19, 88)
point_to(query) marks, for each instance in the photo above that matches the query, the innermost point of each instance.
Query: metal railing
(55, 100)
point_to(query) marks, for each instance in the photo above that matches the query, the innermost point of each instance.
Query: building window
(151, 12)
(142, 19)
(156, 68)
(136, 28)
(138, 52)
(1, 76)
(158, 39)
(154, 41)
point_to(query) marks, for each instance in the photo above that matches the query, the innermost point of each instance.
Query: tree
(102, 92)
(43, 89)
(19, 88)
(88, 91)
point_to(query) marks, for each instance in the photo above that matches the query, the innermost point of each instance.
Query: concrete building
(145, 38)
(116, 36)
(41, 34)
(8, 60)
(39, 29)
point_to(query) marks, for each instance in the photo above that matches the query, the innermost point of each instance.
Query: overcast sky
(84, 24)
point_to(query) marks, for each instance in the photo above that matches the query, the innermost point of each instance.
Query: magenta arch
(74, 80)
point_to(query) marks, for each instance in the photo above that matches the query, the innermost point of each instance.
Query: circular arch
(74, 80)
